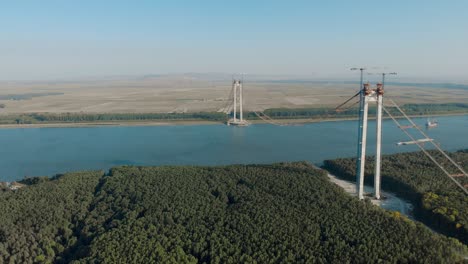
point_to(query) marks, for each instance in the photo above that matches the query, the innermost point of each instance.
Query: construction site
(365, 96)
(238, 100)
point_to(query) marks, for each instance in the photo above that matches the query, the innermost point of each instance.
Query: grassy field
(164, 94)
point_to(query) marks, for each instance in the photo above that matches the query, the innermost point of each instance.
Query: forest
(279, 213)
(439, 202)
(275, 113)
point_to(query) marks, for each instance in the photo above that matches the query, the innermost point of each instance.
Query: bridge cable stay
(420, 145)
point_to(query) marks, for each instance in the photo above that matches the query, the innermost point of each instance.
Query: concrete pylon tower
(378, 151)
(235, 84)
(368, 95)
(238, 100)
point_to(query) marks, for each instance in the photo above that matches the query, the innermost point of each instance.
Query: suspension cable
(432, 142)
(339, 108)
(345, 102)
(347, 108)
(268, 119)
(425, 151)
(227, 106)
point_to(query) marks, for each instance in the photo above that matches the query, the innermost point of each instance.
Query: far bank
(37, 120)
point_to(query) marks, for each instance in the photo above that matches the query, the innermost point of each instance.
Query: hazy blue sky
(67, 39)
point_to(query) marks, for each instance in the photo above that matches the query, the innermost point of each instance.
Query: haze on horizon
(425, 40)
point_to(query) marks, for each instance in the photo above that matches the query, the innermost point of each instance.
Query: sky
(425, 40)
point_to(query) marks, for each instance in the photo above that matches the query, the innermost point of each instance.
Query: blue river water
(48, 151)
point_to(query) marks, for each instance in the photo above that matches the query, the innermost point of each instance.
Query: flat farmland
(184, 94)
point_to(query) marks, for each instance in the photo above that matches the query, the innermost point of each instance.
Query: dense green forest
(439, 202)
(280, 213)
(276, 113)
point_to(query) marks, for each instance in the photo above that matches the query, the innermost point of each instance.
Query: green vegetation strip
(44, 118)
(280, 213)
(410, 109)
(275, 113)
(439, 202)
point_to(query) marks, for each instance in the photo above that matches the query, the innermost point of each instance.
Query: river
(48, 151)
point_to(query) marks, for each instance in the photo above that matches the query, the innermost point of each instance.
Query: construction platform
(237, 122)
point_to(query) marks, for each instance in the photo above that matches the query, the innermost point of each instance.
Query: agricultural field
(181, 94)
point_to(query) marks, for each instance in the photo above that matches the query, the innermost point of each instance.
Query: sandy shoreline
(192, 122)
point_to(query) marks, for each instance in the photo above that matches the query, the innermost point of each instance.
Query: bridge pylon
(367, 96)
(238, 100)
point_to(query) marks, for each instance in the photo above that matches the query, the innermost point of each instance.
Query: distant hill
(280, 213)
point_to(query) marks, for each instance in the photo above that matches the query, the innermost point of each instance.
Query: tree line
(410, 109)
(35, 118)
(275, 113)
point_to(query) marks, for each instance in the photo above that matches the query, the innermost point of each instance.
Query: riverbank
(111, 124)
(299, 121)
